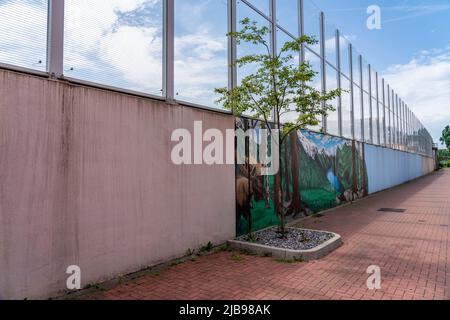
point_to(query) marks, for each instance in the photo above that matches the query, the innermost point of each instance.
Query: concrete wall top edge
(119, 91)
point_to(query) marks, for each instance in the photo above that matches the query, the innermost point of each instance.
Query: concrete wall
(86, 179)
(387, 168)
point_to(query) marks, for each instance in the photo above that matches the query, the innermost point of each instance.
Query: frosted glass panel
(201, 50)
(115, 43)
(23, 30)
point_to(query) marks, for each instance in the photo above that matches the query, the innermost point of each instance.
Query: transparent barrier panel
(115, 43)
(261, 5)
(315, 62)
(312, 23)
(333, 116)
(346, 108)
(288, 16)
(330, 44)
(23, 33)
(201, 50)
(357, 109)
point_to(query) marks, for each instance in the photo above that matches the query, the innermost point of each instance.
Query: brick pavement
(412, 250)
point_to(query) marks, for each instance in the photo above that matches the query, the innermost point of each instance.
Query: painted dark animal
(248, 190)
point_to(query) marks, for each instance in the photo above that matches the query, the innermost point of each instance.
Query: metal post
(370, 105)
(361, 79)
(55, 38)
(352, 98)
(301, 27)
(413, 122)
(408, 130)
(407, 127)
(273, 41)
(378, 109)
(394, 100)
(389, 115)
(232, 47)
(413, 129)
(404, 125)
(402, 105)
(168, 43)
(400, 119)
(393, 126)
(416, 133)
(397, 123)
(396, 119)
(411, 140)
(405, 110)
(391, 112)
(273, 26)
(384, 111)
(322, 66)
(400, 129)
(339, 83)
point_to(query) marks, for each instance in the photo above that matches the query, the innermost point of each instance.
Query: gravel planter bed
(296, 239)
(300, 244)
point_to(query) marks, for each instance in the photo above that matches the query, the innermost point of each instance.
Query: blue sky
(119, 43)
(408, 27)
(412, 50)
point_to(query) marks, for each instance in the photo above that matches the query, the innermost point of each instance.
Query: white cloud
(99, 49)
(200, 64)
(424, 83)
(136, 53)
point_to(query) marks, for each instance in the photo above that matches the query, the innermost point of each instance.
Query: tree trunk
(279, 194)
(364, 170)
(287, 177)
(278, 183)
(355, 182)
(249, 177)
(295, 207)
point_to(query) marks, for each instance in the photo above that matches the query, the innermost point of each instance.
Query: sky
(119, 43)
(411, 50)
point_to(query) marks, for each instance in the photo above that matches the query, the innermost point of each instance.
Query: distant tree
(445, 139)
(444, 158)
(444, 154)
(278, 86)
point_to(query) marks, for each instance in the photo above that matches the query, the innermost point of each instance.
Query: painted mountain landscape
(330, 171)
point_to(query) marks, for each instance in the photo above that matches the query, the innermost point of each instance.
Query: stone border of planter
(316, 253)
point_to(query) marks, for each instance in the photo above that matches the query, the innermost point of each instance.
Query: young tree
(277, 88)
(445, 139)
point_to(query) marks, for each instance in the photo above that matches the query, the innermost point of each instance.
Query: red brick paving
(412, 250)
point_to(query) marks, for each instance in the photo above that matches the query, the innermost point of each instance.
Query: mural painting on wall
(319, 172)
(254, 192)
